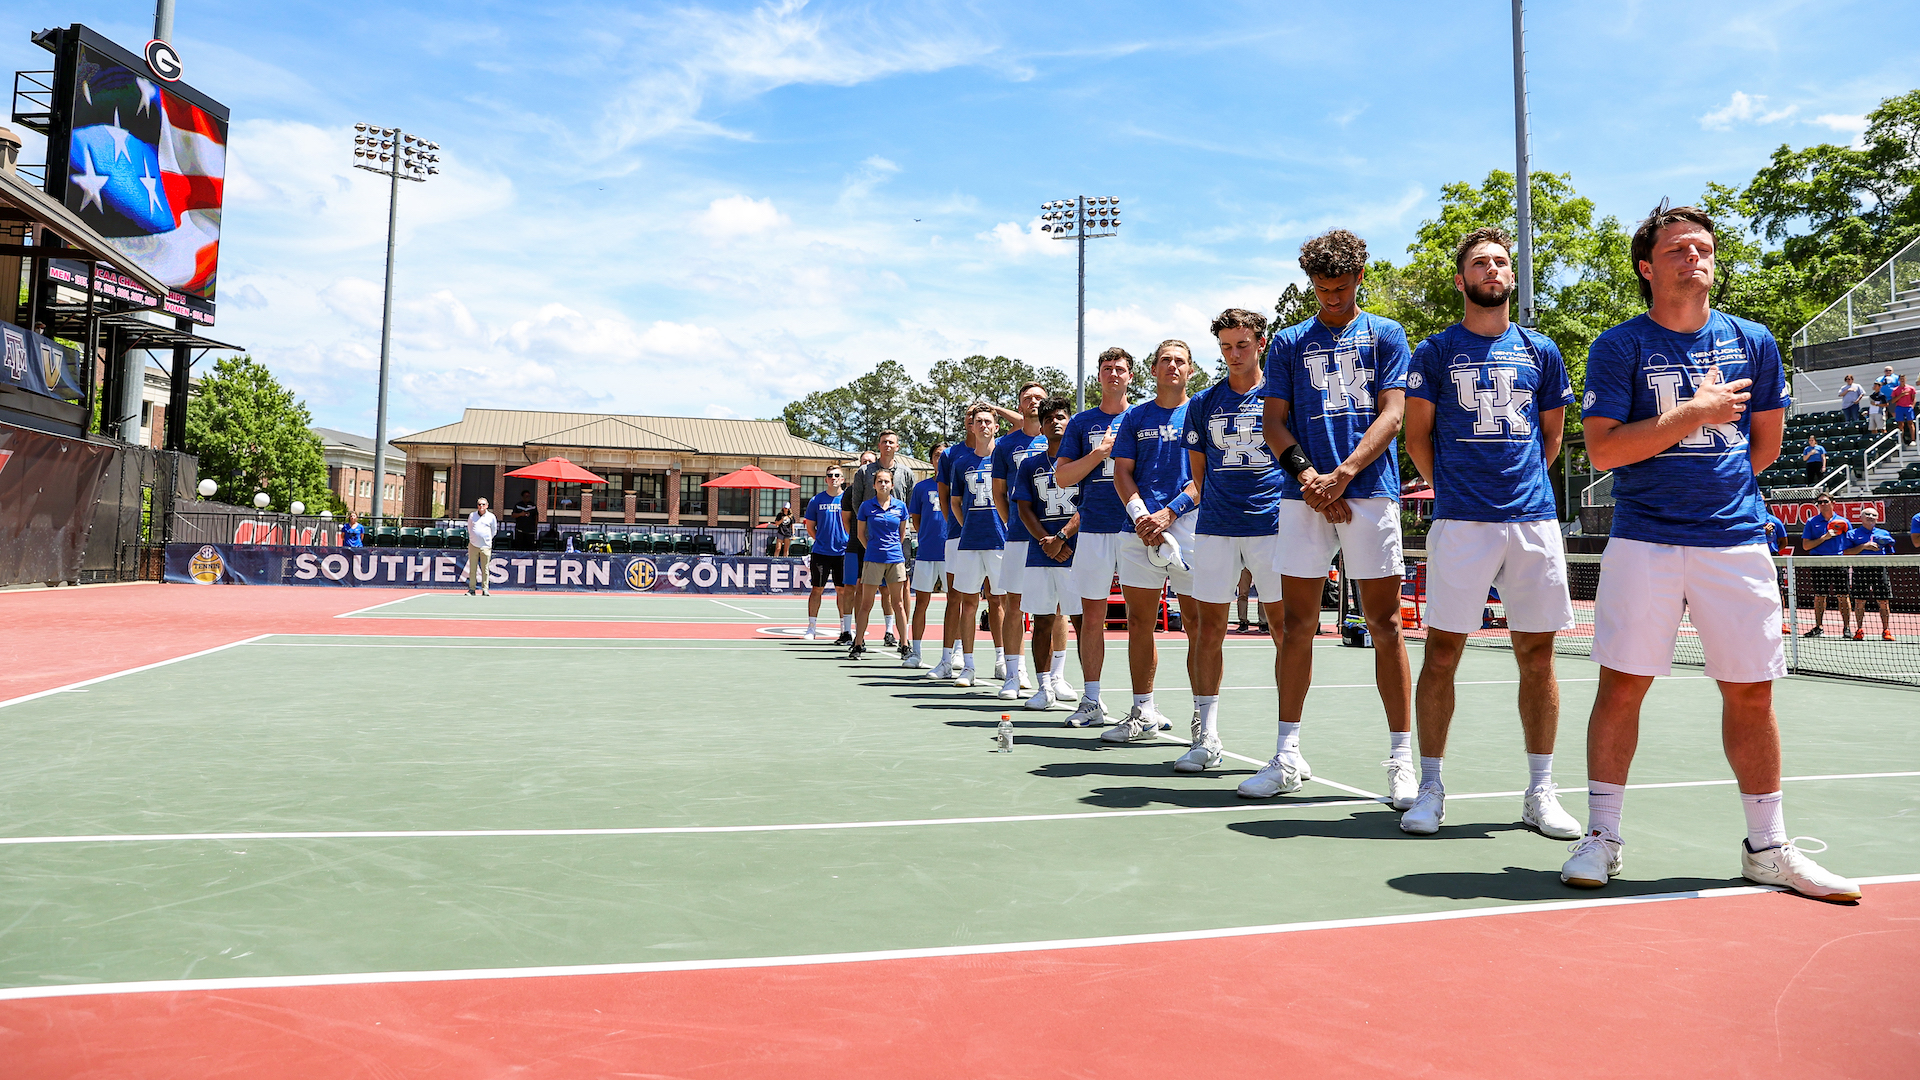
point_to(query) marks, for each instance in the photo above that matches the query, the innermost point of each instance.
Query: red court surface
(1743, 985)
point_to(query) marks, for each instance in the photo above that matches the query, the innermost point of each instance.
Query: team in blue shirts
(974, 564)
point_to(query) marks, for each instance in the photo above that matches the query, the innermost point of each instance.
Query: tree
(952, 385)
(251, 434)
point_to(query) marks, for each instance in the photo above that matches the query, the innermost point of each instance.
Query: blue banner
(532, 571)
(38, 365)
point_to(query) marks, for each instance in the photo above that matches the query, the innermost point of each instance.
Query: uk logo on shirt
(1241, 442)
(1500, 409)
(1344, 385)
(1666, 377)
(1058, 501)
(980, 487)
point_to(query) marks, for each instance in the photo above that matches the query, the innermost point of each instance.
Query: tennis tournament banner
(530, 571)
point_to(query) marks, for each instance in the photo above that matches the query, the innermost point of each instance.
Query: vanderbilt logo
(641, 575)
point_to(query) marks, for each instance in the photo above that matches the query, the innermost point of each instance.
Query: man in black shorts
(1870, 584)
(827, 563)
(1825, 534)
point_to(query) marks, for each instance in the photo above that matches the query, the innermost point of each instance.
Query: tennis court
(583, 836)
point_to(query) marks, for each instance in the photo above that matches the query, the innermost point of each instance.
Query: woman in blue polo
(881, 523)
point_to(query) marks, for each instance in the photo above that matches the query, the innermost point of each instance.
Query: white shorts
(1218, 560)
(1049, 589)
(1731, 595)
(1013, 569)
(1096, 559)
(953, 551)
(1526, 560)
(1369, 544)
(973, 568)
(929, 577)
(1137, 572)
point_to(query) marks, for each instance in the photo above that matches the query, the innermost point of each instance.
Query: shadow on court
(1530, 883)
(1141, 797)
(1380, 824)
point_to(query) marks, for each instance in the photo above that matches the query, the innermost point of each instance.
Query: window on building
(734, 502)
(693, 497)
(564, 497)
(439, 499)
(612, 498)
(770, 501)
(650, 492)
(386, 493)
(146, 410)
(809, 487)
(476, 483)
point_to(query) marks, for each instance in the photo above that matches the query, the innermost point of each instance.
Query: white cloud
(1841, 122)
(1745, 108)
(874, 171)
(739, 215)
(1015, 241)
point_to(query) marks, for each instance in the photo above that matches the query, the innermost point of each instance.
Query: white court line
(409, 596)
(130, 671)
(830, 826)
(504, 616)
(1461, 682)
(737, 607)
(174, 986)
(759, 647)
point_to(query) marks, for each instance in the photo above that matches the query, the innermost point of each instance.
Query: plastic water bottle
(1004, 737)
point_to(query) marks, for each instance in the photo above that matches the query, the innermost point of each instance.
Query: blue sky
(712, 209)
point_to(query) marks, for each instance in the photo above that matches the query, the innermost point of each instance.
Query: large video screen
(146, 166)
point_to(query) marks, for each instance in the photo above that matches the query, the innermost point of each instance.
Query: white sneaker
(1596, 857)
(1299, 764)
(1000, 669)
(1541, 810)
(1026, 678)
(1278, 778)
(1061, 690)
(1428, 812)
(1008, 690)
(1089, 714)
(1403, 783)
(918, 660)
(1042, 700)
(1788, 866)
(1202, 754)
(1141, 725)
(941, 670)
(810, 635)
(963, 678)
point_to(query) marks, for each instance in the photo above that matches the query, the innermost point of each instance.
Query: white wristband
(1136, 508)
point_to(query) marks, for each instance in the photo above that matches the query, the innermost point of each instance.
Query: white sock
(886, 623)
(1603, 806)
(1430, 772)
(1539, 771)
(1091, 691)
(969, 662)
(1013, 671)
(999, 655)
(813, 623)
(1289, 741)
(1401, 743)
(1766, 819)
(1143, 702)
(846, 624)
(1059, 668)
(1209, 707)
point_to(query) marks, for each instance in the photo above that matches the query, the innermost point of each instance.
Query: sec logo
(206, 565)
(641, 575)
(1587, 402)
(1192, 437)
(1414, 379)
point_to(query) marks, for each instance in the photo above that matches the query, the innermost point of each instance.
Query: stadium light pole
(398, 156)
(1522, 173)
(1081, 218)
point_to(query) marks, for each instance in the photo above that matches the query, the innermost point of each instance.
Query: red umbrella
(753, 478)
(557, 470)
(1423, 493)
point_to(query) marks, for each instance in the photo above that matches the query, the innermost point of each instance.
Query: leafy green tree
(952, 385)
(251, 434)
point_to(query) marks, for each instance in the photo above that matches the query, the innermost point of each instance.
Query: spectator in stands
(782, 531)
(1870, 583)
(1824, 535)
(1877, 414)
(481, 525)
(1816, 458)
(1777, 541)
(1883, 386)
(1850, 395)
(526, 524)
(1902, 399)
(353, 534)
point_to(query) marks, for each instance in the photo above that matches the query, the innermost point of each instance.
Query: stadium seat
(409, 537)
(802, 546)
(705, 545)
(386, 536)
(618, 542)
(590, 541)
(683, 544)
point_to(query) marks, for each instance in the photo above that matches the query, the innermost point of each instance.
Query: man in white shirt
(1851, 395)
(481, 527)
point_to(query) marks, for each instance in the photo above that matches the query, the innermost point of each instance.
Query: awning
(32, 204)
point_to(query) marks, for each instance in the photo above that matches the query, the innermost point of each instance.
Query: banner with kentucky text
(533, 571)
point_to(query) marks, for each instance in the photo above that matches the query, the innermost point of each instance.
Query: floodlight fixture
(1081, 218)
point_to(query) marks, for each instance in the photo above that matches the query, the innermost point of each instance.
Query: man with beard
(1486, 401)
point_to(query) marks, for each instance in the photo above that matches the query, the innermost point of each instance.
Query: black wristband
(1294, 460)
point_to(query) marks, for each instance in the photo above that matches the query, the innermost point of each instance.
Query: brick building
(350, 475)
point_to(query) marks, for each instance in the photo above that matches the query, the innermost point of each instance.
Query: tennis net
(1876, 598)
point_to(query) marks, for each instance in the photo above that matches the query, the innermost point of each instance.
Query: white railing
(1844, 474)
(1600, 487)
(1870, 462)
(1873, 295)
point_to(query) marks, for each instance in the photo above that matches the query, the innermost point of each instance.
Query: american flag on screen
(148, 169)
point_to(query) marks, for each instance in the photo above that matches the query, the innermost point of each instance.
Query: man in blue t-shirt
(1870, 584)
(930, 558)
(1049, 515)
(1154, 480)
(1686, 405)
(983, 534)
(1239, 485)
(1825, 534)
(1009, 451)
(1486, 405)
(826, 563)
(1336, 387)
(1086, 462)
(1778, 542)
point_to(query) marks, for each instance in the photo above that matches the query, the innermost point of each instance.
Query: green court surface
(487, 804)
(589, 607)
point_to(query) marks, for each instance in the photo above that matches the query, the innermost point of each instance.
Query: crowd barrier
(532, 571)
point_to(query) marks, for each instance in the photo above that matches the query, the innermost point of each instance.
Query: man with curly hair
(1336, 388)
